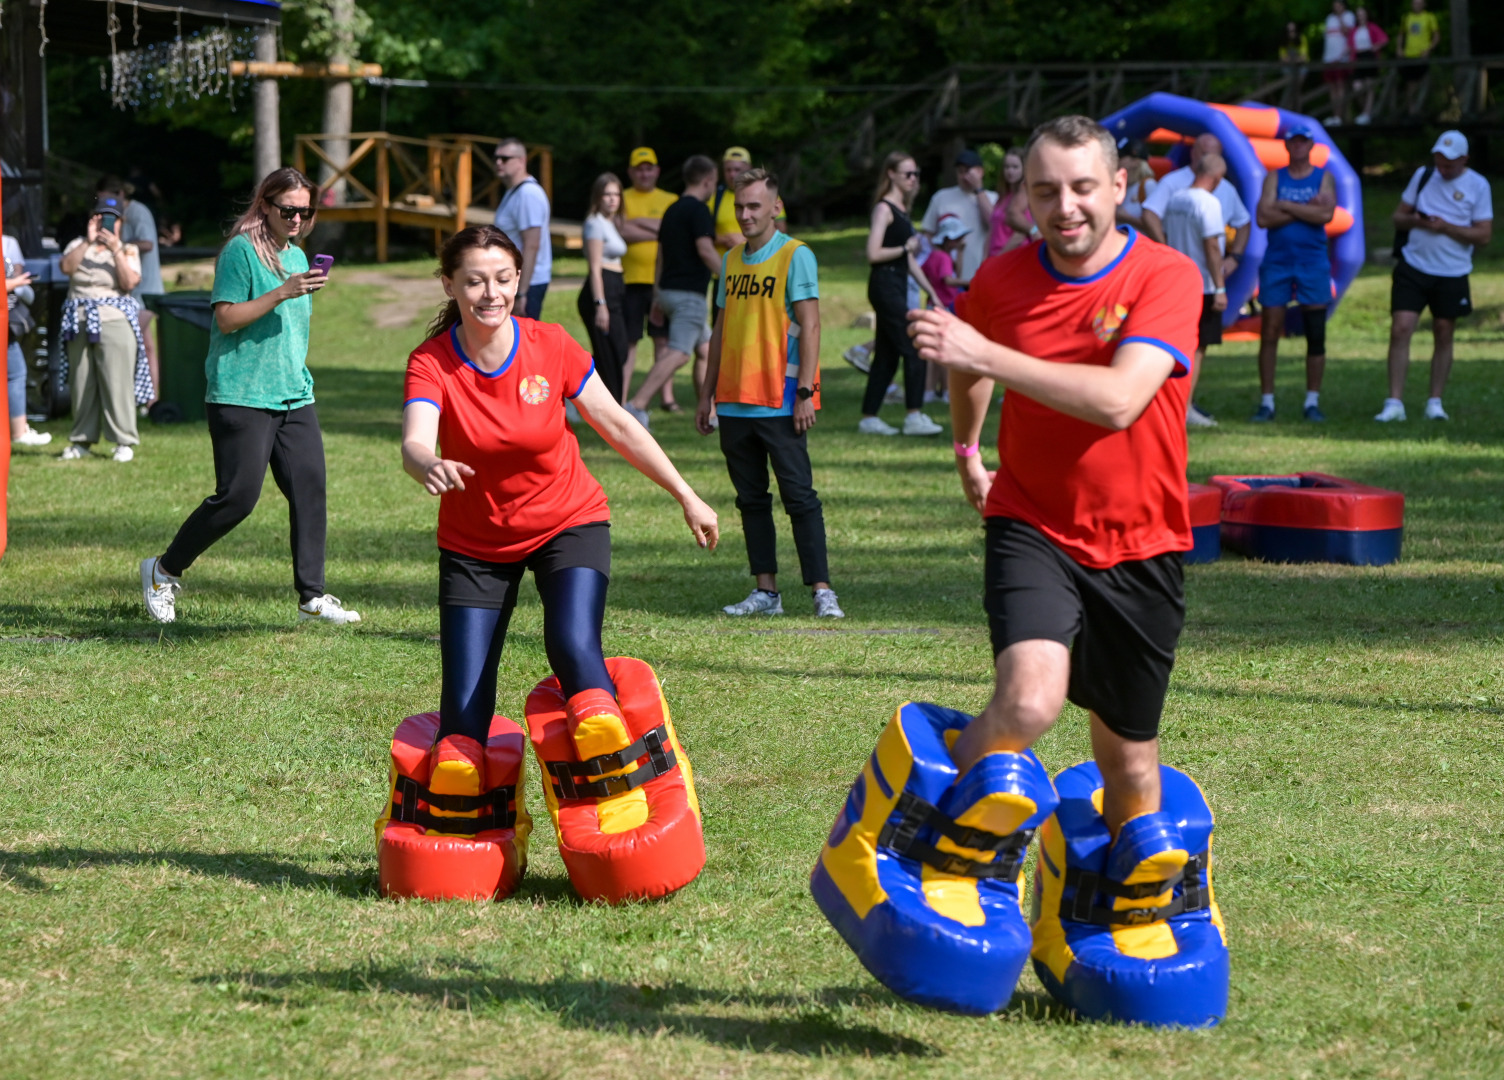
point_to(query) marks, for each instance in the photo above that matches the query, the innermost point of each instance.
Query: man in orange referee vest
(763, 384)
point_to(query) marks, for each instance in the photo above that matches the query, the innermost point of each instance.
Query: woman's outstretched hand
(445, 475)
(702, 521)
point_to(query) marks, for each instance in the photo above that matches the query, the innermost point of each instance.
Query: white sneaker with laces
(328, 609)
(1194, 417)
(1434, 411)
(122, 454)
(160, 591)
(875, 425)
(826, 605)
(859, 357)
(640, 415)
(32, 437)
(757, 603)
(893, 395)
(916, 423)
(74, 452)
(1393, 410)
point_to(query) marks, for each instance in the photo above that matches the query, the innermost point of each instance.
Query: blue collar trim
(459, 350)
(1066, 279)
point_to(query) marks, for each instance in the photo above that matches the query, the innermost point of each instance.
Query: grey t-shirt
(139, 225)
(526, 207)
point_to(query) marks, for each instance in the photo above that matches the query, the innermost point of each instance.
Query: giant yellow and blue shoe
(923, 871)
(1129, 930)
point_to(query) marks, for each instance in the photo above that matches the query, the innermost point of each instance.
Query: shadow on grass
(1363, 704)
(813, 1027)
(20, 868)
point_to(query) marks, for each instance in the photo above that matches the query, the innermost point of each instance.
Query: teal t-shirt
(803, 284)
(264, 365)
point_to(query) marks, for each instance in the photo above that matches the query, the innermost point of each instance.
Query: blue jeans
(535, 295)
(15, 379)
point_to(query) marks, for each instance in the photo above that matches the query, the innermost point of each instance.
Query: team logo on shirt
(533, 389)
(1108, 321)
(1457, 194)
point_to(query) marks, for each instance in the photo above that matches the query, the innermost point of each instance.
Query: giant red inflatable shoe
(618, 786)
(449, 844)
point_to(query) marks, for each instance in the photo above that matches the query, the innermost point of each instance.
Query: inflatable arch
(1252, 143)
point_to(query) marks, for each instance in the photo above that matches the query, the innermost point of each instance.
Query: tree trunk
(339, 95)
(268, 122)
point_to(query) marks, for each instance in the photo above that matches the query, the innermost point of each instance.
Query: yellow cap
(642, 155)
(737, 153)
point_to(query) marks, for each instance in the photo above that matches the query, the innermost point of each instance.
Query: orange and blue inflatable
(1206, 523)
(1129, 930)
(453, 847)
(622, 801)
(1311, 517)
(922, 873)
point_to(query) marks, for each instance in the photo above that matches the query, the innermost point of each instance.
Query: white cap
(950, 227)
(1451, 145)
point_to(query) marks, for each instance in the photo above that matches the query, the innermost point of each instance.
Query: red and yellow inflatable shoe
(619, 786)
(445, 846)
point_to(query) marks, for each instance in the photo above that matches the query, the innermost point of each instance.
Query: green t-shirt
(264, 365)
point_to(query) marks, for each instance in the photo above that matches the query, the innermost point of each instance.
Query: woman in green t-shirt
(260, 399)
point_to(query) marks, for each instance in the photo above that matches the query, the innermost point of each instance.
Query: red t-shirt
(508, 425)
(1102, 496)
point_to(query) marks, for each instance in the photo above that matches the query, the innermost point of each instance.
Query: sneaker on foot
(160, 591)
(329, 609)
(122, 454)
(32, 437)
(1314, 414)
(1434, 411)
(74, 452)
(875, 425)
(760, 602)
(1364, 118)
(916, 423)
(640, 415)
(1263, 416)
(893, 395)
(1194, 417)
(1393, 410)
(826, 605)
(859, 357)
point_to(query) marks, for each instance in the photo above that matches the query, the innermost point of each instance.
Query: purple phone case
(323, 262)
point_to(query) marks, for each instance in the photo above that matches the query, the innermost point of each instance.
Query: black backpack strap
(568, 776)
(1082, 906)
(495, 806)
(912, 815)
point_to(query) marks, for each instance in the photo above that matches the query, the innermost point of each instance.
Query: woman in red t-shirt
(516, 496)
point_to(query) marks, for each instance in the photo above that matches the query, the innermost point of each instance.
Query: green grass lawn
(187, 866)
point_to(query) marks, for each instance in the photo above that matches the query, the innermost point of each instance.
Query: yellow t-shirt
(1419, 29)
(641, 259)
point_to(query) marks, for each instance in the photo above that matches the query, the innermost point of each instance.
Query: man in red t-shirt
(1089, 330)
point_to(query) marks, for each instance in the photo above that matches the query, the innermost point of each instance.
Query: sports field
(187, 865)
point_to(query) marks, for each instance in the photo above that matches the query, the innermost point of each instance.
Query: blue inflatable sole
(1284, 543)
(1129, 930)
(922, 872)
(1208, 544)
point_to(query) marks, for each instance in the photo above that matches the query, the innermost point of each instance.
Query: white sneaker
(571, 414)
(74, 452)
(640, 415)
(329, 609)
(893, 395)
(1434, 411)
(1194, 417)
(32, 437)
(1393, 410)
(859, 357)
(160, 590)
(122, 454)
(758, 603)
(875, 425)
(1364, 118)
(916, 423)
(826, 605)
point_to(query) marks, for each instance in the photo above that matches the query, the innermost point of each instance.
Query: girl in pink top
(1011, 220)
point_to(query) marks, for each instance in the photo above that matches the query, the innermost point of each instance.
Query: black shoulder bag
(1402, 236)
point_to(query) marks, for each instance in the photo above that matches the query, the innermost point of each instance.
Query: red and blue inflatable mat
(1311, 517)
(1206, 523)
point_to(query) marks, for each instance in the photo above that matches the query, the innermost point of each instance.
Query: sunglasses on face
(506, 157)
(909, 174)
(291, 213)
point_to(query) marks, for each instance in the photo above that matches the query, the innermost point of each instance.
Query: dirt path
(407, 299)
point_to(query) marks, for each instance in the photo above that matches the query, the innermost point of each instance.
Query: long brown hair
(890, 163)
(252, 224)
(598, 192)
(1003, 188)
(453, 253)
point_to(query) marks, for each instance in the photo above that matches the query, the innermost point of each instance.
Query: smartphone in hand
(322, 263)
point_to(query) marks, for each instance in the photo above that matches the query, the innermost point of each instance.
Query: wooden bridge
(443, 182)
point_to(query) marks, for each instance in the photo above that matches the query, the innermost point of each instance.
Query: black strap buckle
(496, 808)
(901, 836)
(1082, 906)
(568, 776)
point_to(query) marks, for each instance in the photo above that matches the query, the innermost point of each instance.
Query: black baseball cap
(969, 158)
(110, 204)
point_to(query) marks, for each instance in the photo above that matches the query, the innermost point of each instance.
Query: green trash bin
(182, 347)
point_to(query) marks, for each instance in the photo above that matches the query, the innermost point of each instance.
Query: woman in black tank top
(891, 243)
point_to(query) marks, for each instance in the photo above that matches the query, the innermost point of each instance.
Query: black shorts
(636, 304)
(1414, 290)
(1413, 71)
(470, 582)
(1121, 624)
(1210, 330)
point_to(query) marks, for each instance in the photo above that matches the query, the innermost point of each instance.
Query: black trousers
(749, 444)
(889, 295)
(609, 347)
(245, 442)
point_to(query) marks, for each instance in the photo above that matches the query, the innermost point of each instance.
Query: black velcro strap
(495, 806)
(569, 776)
(901, 835)
(1082, 906)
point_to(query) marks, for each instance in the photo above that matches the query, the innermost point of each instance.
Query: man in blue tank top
(1296, 204)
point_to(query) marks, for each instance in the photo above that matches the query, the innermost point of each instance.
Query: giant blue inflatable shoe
(923, 871)
(1130, 930)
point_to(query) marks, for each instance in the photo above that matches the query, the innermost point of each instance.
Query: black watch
(804, 393)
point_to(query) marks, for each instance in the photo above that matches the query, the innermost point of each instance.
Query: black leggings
(609, 347)
(470, 640)
(889, 295)
(245, 441)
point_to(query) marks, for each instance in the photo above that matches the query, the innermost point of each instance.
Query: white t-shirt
(526, 207)
(1334, 48)
(963, 204)
(599, 227)
(1192, 216)
(1461, 202)
(1132, 204)
(1362, 39)
(1234, 213)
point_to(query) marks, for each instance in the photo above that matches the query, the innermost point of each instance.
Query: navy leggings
(470, 640)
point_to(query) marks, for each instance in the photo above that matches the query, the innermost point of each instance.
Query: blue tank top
(1298, 241)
